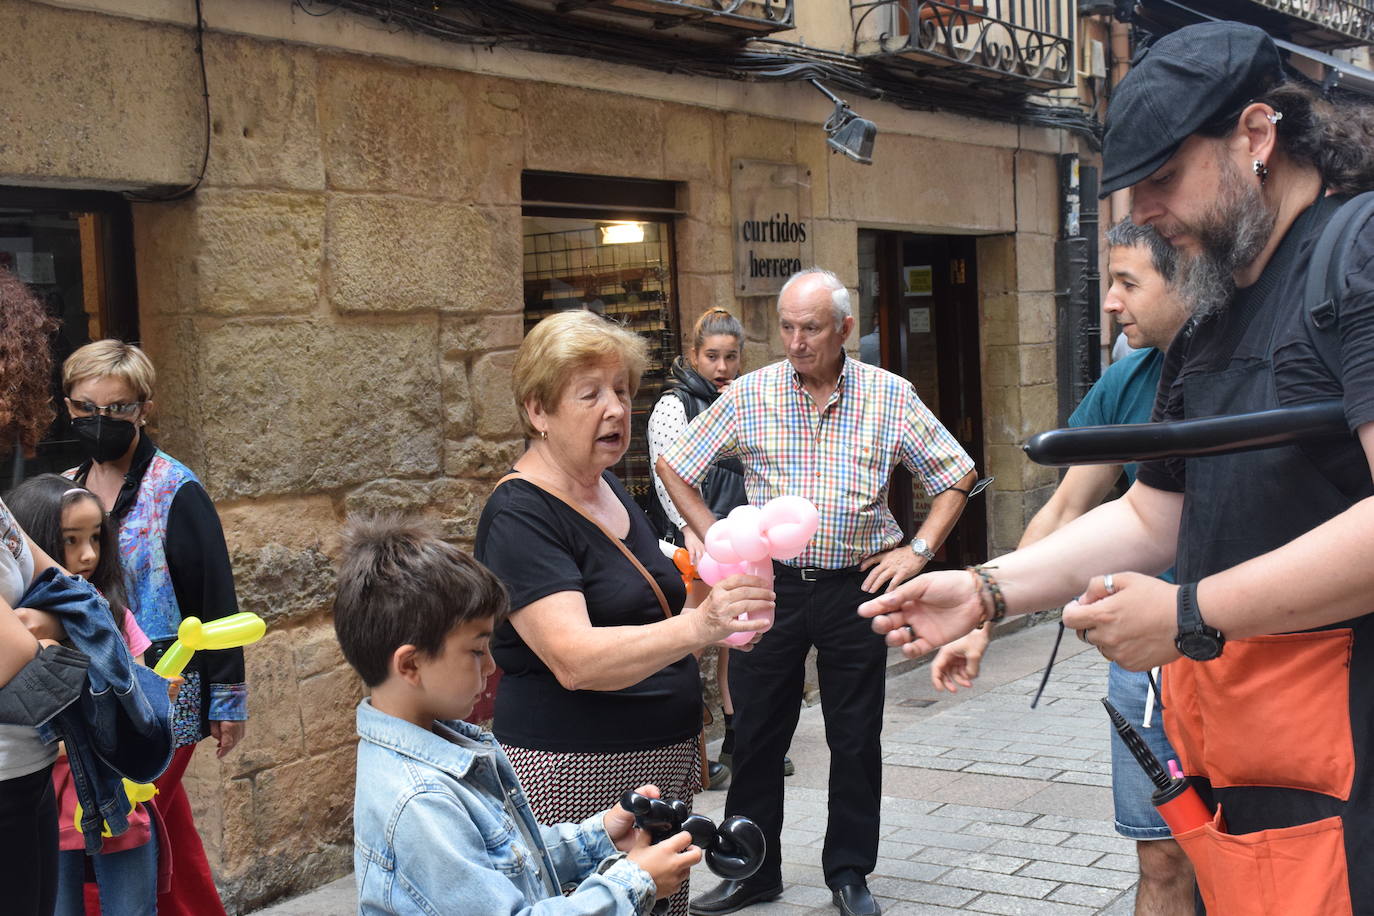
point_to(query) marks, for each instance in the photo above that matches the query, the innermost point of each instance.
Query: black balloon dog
(733, 852)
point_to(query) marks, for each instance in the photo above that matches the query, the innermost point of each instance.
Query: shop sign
(771, 202)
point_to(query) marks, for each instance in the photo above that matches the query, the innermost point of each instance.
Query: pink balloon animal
(748, 539)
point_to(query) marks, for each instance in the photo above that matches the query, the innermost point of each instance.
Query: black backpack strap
(1325, 284)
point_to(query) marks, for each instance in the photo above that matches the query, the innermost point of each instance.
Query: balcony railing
(1022, 45)
(740, 17)
(1344, 22)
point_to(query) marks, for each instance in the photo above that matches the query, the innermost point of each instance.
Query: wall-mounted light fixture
(621, 233)
(846, 132)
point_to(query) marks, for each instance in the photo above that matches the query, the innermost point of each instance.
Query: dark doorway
(918, 317)
(74, 250)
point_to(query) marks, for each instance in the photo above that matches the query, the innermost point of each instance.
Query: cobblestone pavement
(989, 806)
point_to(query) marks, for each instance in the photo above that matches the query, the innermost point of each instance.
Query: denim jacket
(121, 725)
(433, 833)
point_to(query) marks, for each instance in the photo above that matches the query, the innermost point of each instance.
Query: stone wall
(335, 312)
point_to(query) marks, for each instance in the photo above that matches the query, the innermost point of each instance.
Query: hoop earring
(1261, 170)
(543, 434)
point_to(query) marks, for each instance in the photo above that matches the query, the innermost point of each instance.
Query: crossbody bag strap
(563, 498)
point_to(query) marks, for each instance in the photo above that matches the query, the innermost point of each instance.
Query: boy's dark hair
(401, 584)
(37, 505)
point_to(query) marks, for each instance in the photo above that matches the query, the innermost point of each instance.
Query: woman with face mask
(176, 565)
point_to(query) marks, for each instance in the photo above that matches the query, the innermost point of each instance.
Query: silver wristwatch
(922, 549)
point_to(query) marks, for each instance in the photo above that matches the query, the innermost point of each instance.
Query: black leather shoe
(719, 775)
(729, 896)
(855, 900)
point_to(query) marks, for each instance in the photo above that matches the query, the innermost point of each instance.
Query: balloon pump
(1174, 797)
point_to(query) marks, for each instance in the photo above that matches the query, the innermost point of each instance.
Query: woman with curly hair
(28, 807)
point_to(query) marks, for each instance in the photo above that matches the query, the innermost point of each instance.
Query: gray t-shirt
(21, 753)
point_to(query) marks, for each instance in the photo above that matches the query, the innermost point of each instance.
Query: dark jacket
(121, 726)
(723, 488)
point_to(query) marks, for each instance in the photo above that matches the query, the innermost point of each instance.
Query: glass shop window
(74, 249)
(606, 245)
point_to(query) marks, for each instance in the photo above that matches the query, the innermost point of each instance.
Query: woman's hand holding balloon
(738, 610)
(747, 541)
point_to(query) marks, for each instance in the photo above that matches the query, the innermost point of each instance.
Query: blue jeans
(127, 880)
(1136, 817)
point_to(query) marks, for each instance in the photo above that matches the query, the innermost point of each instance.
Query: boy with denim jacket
(440, 823)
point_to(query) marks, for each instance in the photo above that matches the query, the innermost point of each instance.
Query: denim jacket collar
(430, 747)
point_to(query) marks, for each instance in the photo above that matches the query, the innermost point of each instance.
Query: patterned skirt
(565, 787)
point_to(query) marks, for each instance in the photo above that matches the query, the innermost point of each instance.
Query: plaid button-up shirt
(841, 457)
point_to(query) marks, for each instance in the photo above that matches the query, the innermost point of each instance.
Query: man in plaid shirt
(831, 429)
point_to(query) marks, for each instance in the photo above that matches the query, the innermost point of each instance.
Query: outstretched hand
(926, 612)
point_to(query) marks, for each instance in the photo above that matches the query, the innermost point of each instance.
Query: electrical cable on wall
(188, 190)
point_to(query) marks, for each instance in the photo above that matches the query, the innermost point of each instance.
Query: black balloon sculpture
(733, 851)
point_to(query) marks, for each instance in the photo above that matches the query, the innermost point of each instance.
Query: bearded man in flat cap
(1268, 640)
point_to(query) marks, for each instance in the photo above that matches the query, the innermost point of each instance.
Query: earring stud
(1261, 170)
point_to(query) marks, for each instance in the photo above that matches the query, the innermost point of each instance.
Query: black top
(197, 560)
(539, 546)
(1300, 376)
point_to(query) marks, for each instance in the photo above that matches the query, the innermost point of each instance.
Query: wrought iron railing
(1017, 42)
(1353, 18)
(745, 15)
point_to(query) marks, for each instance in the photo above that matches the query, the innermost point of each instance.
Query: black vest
(723, 488)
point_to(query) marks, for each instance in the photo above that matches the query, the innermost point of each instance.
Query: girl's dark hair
(37, 505)
(716, 321)
(26, 408)
(1334, 136)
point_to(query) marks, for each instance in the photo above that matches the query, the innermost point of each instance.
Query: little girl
(68, 523)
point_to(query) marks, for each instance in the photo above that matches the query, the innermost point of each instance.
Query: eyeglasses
(117, 411)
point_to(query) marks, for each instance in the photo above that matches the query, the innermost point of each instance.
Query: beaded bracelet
(986, 581)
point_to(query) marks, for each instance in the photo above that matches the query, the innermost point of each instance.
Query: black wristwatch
(1195, 639)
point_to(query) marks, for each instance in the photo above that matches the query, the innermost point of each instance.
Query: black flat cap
(1182, 82)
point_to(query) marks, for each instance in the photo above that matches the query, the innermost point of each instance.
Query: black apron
(1276, 732)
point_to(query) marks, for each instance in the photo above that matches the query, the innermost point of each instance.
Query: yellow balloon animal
(230, 632)
(226, 633)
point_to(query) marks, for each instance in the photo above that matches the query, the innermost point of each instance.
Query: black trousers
(766, 686)
(28, 844)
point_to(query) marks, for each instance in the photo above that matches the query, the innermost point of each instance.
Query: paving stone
(1119, 862)
(921, 891)
(918, 838)
(1020, 906)
(1084, 779)
(1033, 834)
(1076, 825)
(971, 756)
(983, 861)
(1038, 749)
(984, 814)
(1019, 772)
(1114, 843)
(1015, 885)
(1090, 896)
(916, 870)
(1040, 852)
(1078, 874)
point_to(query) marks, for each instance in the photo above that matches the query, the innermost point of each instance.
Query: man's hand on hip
(891, 568)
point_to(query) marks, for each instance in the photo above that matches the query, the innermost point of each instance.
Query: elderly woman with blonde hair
(600, 690)
(176, 565)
